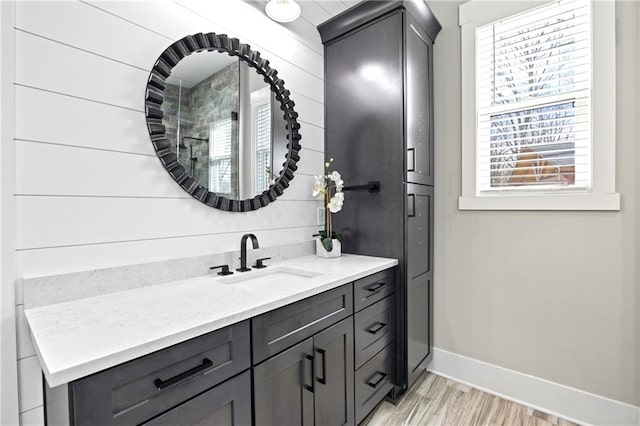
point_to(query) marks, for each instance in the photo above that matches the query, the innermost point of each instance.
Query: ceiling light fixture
(282, 10)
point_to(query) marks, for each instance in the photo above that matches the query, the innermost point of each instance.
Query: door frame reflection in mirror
(154, 97)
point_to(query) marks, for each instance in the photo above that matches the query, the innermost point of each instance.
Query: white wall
(551, 294)
(8, 372)
(90, 190)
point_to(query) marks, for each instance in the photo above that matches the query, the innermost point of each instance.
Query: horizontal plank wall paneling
(90, 172)
(117, 43)
(91, 192)
(313, 12)
(63, 221)
(75, 258)
(175, 21)
(75, 72)
(311, 112)
(49, 117)
(25, 347)
(78, 171)
(33, 417)
(30, 381)
(253, 29)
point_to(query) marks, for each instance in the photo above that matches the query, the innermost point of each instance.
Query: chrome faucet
(243, 251)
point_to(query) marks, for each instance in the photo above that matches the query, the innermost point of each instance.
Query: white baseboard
(552, 398)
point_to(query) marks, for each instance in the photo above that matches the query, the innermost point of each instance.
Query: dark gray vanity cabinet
(189, 377)
(310, 383)
(325, 360)
(379, 127)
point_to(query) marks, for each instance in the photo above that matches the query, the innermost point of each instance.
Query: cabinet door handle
(160, 384)
(411, 168)
(376, 287)
(310, 388)
(376, 328)
(323, 353)
(377, 382)
(413, 205)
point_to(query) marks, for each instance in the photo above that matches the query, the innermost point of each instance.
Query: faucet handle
(225, 269)
(259, 263)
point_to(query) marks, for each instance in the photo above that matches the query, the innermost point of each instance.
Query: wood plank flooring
(434, 400)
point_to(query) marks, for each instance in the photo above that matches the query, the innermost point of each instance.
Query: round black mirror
(214, 126)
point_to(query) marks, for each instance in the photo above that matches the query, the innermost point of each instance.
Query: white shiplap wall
(91, 192)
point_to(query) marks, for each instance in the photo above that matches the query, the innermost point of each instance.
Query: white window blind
(220, 157)
(263, 147)
(534, 100)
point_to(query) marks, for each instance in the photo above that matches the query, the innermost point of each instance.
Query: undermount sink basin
(268, 278)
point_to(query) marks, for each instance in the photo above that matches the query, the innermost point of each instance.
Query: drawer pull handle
(377, 382)
(310, 388)
(411, 168)
(376, 328)
(323, 380)
(376, 287)
(160, 384)
(413, 206)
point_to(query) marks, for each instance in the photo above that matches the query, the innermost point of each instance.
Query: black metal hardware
(163, 384)
(259, 263)
(376, 328)
(313, 367)
(413, 160)
(243, 251)
(225, 269)
(413, 205)
(376, 287)
(377, 382)
(372, 186)
(323, 380)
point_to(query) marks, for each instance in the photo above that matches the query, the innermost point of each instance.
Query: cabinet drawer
(369, 290)
(373, 382)
(228, 404)
(145, 387)
(284, 327)
(374, 329)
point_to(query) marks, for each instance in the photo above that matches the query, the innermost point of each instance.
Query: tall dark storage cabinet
(379, 127)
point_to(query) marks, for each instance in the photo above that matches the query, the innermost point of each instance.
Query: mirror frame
(154, 97)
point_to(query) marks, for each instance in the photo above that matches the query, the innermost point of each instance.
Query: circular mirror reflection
(224, 125)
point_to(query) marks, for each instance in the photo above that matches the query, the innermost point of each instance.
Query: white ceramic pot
(322, 252)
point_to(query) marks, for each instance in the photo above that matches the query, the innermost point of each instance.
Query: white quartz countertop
(81, 337)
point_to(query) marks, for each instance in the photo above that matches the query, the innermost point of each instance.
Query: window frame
(601, 195)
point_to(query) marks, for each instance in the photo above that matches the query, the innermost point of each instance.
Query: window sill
(569, 202)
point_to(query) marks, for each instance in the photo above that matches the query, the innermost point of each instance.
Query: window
(263, 147)
(220, 153)
(529, 138)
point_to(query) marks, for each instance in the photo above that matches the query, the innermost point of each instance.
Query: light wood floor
(434, 400)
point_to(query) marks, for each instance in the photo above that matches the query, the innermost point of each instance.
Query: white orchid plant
(329, 188)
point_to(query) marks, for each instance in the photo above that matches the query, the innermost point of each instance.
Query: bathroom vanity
(303, 341)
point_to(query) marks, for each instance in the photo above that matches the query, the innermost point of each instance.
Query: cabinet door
(228, 404)
(418, 324)
(334, 375)
(419, 278)
(419, 224)
(283, 387)
(419, 107)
